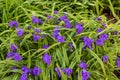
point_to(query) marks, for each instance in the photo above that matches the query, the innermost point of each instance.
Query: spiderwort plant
(104, 58)
(36, 71)
(87, 42)
(35, 20)
(46, 58)
(83, 65)
(79, 28)
(19, 32)
(85, 74)
(13, 23)
(118, 62)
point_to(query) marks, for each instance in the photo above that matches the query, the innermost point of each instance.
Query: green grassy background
(84, 11)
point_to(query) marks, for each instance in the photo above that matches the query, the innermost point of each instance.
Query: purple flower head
(55, 12)
(36, 71)
(87, 42)
(45, 46)
(24, 77)
(36, 37)
(36, 30)
(13, 68)
(83, 65)
(79, 28)
(99, 18)
(29, 27)
(13, 23)
(17, 57)
(99, 30)
(61, 39)
(56, 30)
(40, 21)
(71, 45)
(10, 55)
(116, 32)
(103, 37)
(36, 20)
(104, 24)
(118, 62)
(68, 71)
(55, 33)
(25, 69)
(104, 58)
(99, 42)
(43, 36)
(49, 16)
(63, 17)
(46, 58)
(13, 47)
(19, 32)
(85, 74)
(58, 72)
(67, 23)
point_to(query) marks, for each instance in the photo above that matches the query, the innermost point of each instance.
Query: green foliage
(82, 11)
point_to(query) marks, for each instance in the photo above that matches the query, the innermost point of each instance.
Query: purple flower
(99, 42)
(68, 71)
(17, 57)
(24, 77)
(36, 20)
(43, 36)
(118, 62)
(46, 58)
(79, 28)
(20, 32)
(87, 42)
(99, 18)
(55, 33)
(13, 23)
(13, 47)
(49, 16)
(63, 17)
(25, 69)
(29, 27)
(104, 58)
(10, 55)
(36, 30)
(58, 72)
(85, 74)
(83, 65)
(36, 37)
(36, 71)
(104, 24)
(71, 45)
(99, 30)
(13, 68)
(116, 32)
(55, 12)
(67, 23)
(45, 46)
(103, 37)
(61, 39)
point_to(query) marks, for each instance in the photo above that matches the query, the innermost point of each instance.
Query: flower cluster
(66, 21)
(104, 58)
(58, 37)
(67, 71)
(101, 39)
(35, 72)
(85, 74)
(13, 54)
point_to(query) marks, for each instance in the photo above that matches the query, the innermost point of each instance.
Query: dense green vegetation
(76, 24)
